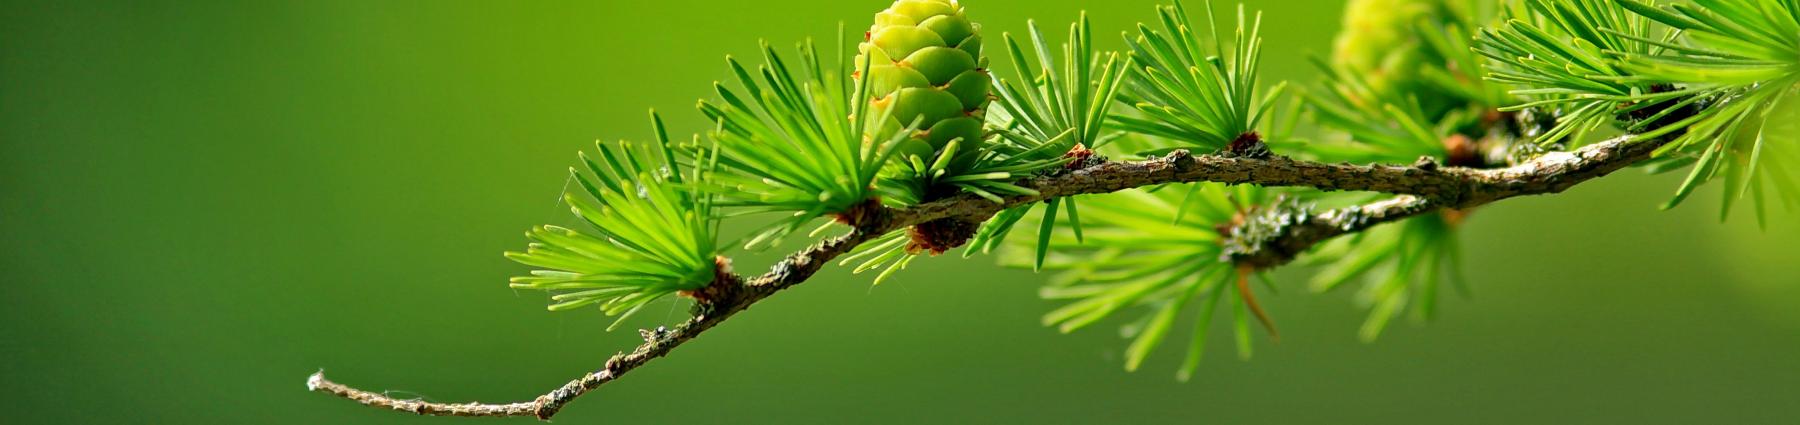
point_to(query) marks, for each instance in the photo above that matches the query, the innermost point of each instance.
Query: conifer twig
(1423, 187)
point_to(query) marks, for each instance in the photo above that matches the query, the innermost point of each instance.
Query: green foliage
(1379, 40)
(1401, 90)
(1403, 264)
(1157, 251)
(887, 253)
(1415, 50)
(1709, 74)
(1422, 102)
(1052, 115)
(1185, 90)
(1558, 52)
(910, 120)
(789, 146)
(1062, 101)
(1743, 56)
(1381, 132)
(649, 232)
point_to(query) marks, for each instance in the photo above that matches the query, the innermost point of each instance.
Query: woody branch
(1421, 188)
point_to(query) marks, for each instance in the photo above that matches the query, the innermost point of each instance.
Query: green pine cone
(925, 64)
(1380, 41)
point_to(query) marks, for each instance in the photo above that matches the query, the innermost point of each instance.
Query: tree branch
(1450, 187)
(1424, 187)
(1552, 173)
(734, 295)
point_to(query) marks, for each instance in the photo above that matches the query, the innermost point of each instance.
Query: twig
(1551, 173)
(1423, 187)
(792, 270)
(1450, 187)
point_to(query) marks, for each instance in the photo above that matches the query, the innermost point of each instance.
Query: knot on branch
(938, 236)
(724, 287)
(1179, 160)
(1081, 157)
(1248, 145)
(548, 404)
(1426, 162)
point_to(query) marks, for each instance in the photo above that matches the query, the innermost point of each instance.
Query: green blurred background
(204, 202)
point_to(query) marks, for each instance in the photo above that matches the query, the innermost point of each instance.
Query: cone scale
(924, 65)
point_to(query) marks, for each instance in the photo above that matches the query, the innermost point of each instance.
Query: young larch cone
(925, 64)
